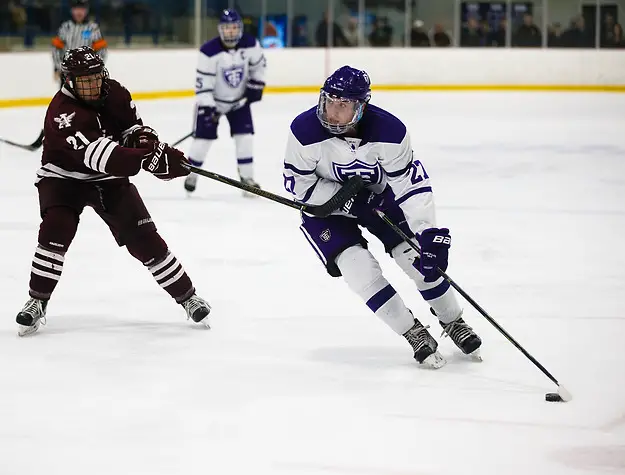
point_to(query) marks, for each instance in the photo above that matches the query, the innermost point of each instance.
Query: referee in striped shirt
(78, 31)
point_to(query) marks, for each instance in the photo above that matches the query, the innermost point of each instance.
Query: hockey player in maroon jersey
(94, 140)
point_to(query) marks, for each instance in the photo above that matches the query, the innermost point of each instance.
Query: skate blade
(23, 330)
(476, 356)
(434, 361)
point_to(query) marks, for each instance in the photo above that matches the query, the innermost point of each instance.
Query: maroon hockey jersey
(83, 142)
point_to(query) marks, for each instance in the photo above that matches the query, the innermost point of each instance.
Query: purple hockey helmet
(343, 98)
(230, 28)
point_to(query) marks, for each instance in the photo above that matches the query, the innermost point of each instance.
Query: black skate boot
(463, 336)
(197, 309)
(424, 346)
(32, 315)
(190, 183)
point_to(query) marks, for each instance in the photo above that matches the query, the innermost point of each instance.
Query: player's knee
(58, 228)
(147, 247)
(199, 149)
(359, 268)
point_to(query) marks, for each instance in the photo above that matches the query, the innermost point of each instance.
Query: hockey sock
(363, 275)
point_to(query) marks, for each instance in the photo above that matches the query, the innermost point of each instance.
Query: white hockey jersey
(317, 162)
(223, 74)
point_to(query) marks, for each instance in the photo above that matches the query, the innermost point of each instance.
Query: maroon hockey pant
(120, 206)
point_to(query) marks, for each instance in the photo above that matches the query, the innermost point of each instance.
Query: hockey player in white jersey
(345, 135)
(230, 76)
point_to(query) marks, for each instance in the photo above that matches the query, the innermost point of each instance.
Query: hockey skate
(463, 337)
(190, 183)
(197, 310)
(249, 182)
(31, 317)
(424, 346)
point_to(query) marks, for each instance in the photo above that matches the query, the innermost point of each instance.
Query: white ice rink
(296, 375)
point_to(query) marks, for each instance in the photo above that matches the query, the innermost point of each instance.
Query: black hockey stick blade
(347, 191)
(566, 396)
(190, 134)
(31, 148)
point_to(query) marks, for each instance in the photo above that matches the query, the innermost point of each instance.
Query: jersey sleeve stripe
(262, 56)
(425, 189)
(104, 156)
(204, 90)
(205, 73)
(397, 173)
(293, 168)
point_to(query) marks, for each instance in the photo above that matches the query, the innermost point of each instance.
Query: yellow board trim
(44, 101)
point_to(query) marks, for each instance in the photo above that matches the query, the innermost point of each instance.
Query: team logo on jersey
(369, 173)
(325, 235)
(234, 75)
(64, 120)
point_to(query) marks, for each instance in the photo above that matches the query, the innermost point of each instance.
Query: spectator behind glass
(352, 31)
(554, 38)
(471, 34)
(382, 34)
(418, 36)
(577, 36)
(617, 40)
(321, 35)
(440, 36)
(607, 31)
(299, 27)
(497, 38)
(528, 35)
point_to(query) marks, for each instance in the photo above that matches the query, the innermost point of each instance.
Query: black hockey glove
(141, 137)
(165, 162)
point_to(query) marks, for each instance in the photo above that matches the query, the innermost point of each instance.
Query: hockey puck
(553, 397)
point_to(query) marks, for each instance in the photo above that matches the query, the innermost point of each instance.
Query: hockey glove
(254, 91)
(435, 244)
(142, 137)
(165, 162)
(363, 203)
(206, 122)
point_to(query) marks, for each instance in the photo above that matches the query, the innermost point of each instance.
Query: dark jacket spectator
(440, 36)
(554, 37)
(321, 35)
(418, 36)
(497, 38)
(577, 36)
(616, 39)
(528, 35)
(471, 34)
(382, 34)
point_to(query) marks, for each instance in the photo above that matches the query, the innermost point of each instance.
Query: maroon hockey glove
(165, 162)
(142, 137)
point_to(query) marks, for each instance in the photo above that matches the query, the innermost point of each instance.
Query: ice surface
(296, 376)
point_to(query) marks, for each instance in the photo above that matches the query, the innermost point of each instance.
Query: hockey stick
(190, 134)
(349, 189)
(31, 148)
(562, 392)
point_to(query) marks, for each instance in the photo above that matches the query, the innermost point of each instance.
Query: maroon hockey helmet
(85, 75)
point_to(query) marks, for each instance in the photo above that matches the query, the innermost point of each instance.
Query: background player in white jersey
(230, 76)
(345, 135)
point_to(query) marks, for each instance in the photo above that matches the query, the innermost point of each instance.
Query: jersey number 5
(73, 140)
